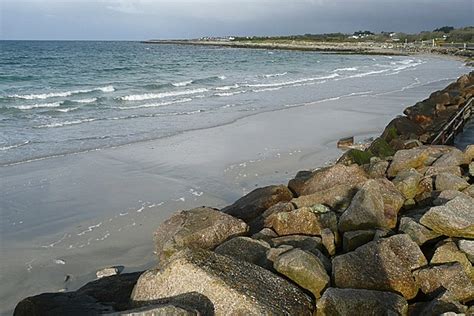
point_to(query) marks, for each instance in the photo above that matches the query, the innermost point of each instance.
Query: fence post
(465, 46)
(433, 42)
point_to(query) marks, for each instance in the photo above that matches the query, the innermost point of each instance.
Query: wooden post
(433, 43)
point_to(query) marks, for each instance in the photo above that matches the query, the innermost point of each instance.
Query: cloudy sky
(144, 19)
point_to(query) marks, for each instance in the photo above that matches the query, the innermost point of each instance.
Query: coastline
(190, 159)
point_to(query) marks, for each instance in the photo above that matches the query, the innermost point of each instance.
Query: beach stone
(407, 159)
(360, 302)
(447, 252)
(383, 265)
(326, 178)
(234, 287)
(329, 241)
(453, 158)
(434, 171)
(159, 310)
(375, 205)
(454, 219)
(469, 153)
(378, 168)
(246, 249)
(440, 305)
(337, 197)
(447, 181)
(407, 183)
(278, 208)
(197, 228)
(467, 246)
(273, 253)
(265, 234)
(417, 232)
(301, 221)
(107, 272)
(447, 195)
(258, 201)
(356, 238)
(304, 269)
(450, 276)
(469, 191)
(97, 297)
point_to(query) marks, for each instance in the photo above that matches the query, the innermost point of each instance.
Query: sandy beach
(65, 217)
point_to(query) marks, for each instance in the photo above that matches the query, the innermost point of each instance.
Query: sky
(167, 19)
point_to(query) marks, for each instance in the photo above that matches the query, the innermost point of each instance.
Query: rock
(296, 185)
(450, 276)
(265, 234)
(469, 153)
(278, 208)
(407, 183)
(327, 178)
(107, 272)
(320, 208)
(407, 159)
(434, 171)
(447, 181)
(471, 169)
(417, 232)
(329, 241)
(346, 142)
(454, 219)
(441, 304)
(360, 302)
(354, 239)
(197, 228)
(453, 158)
(378, 168)
(469, 191)
(447, 252)
(301, 221)
(383, 265)
(246, 249)
(467, 246)
(447, 195)
(234, 287)
(375, 205)
(101, 296)
(274, 253)
(258, 201)
(159, 310)
(304, 269)
(337, 197)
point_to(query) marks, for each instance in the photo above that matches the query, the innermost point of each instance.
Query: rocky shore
(388, 230)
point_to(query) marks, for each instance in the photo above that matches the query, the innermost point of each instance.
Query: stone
(378, 169)
(454, 219)
(298, 241)
(197, 228)
(469, 153)
(417, 232)
(105, 272)
(375, 205)
(158, 310)
(453, 158)
(467, 246)
(448, 251)
(469, 191)
(447, 195)
(304, 269)
(274, 253)
(383, 265)
(471, 169)
(449, 276)
(356, 238)
(327, 178)
(345, 142)
(337, 197)
(265, 234)
(360, 302)
(234, 287)
(447, 181)
(105, 295)
(278, 208)
(329, 241)
(246, 249)
(407, 159)
(407, 183)
(301, 221)
(258, 201)
(434, 171)
(320, 208)
(441, 304)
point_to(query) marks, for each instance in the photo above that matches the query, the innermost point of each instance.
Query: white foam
(15, 145)
(276, 75)
(59, 261)
(152, 105)
(235, 86)
(267, 89)
(85, 100)
(222, 77)
(89, 229)
(286, 83)
(61, 94)
(148, 96)
(66, 123)
(182, 84)
(38, 106)
(66, 110)
(228, 94)
(346, 69)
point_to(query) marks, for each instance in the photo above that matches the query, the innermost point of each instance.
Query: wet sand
(63, 218)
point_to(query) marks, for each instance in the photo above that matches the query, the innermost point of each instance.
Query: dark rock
(360, 302)
(417, 232)
(198, 228)
(278, 208)
(234, 287)
(354, 239)
(246, 249)
(329, 241)
(258, 201)
(265, 234)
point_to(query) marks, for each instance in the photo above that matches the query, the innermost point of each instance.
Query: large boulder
(246, 249)
(375, 205)
(407, 183)
(449, 276)
(448, 181)
(454, 219)
(234, 287)
(105, 295)
(417, 232)
(448, 251)
(453, 158)
(360, 302)
(301, 221)
(337, 197)
(304, 269)
(258, 201)
(327, 178)
(467, 246)
(197, 228)
(383, 265)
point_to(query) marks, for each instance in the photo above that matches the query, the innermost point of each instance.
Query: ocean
(64, 97)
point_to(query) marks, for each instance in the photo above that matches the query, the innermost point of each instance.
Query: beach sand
(65, 217)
